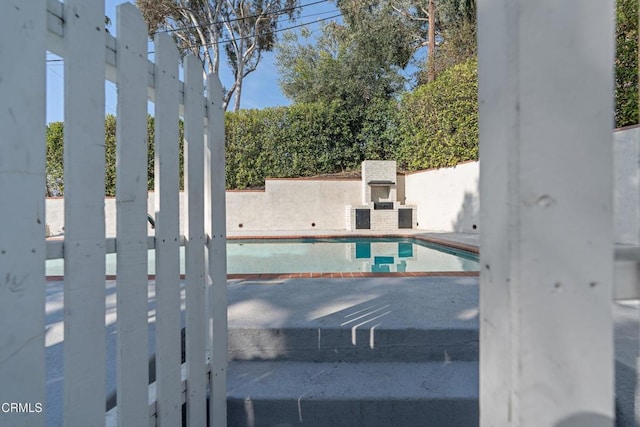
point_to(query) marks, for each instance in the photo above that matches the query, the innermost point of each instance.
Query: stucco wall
(285, 204)
(447, 198)
(55, 214)
(626, 196)
(288, 204)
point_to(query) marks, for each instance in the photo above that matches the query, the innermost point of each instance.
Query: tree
(355, 62)
(458, 46)
(415, 20)
(432, 41)
(446, 27)
(451, 12)
(355, 66)
(333, 69)
(380, 30)
(456, 34)
(244, 29)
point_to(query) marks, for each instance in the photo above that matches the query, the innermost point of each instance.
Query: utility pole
(432, 41)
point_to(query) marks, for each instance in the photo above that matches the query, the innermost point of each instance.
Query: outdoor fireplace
(380, 194)
(380, 206)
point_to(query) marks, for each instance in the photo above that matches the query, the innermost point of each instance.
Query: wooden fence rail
(75, 31)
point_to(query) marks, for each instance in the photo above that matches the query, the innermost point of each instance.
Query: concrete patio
(368, 351)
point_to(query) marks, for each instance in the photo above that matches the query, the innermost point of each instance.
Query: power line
(247, 37)
(268, 32)
(326, 12)
(277, 13)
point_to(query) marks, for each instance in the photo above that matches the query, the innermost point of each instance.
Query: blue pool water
(324, 256)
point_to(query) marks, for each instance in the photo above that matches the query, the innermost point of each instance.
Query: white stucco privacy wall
(292, 204)
(285, 204)
(55, 214)
(447, 198)
(626, 196)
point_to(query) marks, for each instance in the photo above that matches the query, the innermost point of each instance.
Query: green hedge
(294, 141)
(435, 126)
(438, 122)
(55, 156)
(55, 182)
(626, 63)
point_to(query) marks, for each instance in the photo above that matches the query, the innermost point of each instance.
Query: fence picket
(131, 202)
(84, 249)
(217, 252)
(22, 183)
(195, 242)
(168, 324)
(75, 31)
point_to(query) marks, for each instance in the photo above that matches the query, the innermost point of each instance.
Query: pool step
(352, 394)
(350, 344)
(353, 352)
(376, 319)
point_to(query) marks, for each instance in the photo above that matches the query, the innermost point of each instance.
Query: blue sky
(260, 89)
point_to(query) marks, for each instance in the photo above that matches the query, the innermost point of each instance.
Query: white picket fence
(75, 31)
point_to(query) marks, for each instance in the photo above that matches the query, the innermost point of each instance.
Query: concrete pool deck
(342, 329)
(375, 327)
(387, 348)
(424, 294)
(340, 351)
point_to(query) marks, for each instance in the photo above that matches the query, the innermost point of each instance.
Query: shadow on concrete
(329, 328)
(586, 419)
(627, 333)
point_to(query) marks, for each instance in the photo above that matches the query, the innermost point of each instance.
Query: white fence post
(22, 186)
(84, 249)
(217, 252)
(545, 81)
(195, 242)
(131, 201)
(168, 324)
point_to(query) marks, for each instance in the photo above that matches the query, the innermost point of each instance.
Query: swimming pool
(336, 255)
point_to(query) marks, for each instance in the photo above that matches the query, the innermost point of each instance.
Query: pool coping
(261, 277)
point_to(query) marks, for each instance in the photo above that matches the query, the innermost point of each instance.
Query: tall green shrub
(245, 135)
(55, 156)
(54, 171)
(438, 122)
(626, 63)
(378, 132)
(110, 155)
(300, 140)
